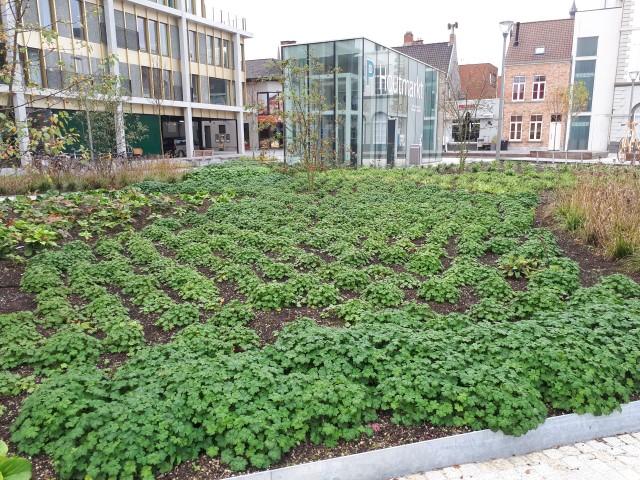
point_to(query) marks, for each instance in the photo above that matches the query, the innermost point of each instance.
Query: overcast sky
(479, 38)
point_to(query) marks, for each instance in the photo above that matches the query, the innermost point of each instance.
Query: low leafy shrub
(439, 290)
(383, 294)
(178, 316)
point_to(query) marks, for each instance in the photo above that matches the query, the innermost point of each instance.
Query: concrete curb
(459, 449)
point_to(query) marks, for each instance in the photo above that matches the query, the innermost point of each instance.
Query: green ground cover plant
(375, 265)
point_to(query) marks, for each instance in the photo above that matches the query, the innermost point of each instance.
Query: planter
(471, 447)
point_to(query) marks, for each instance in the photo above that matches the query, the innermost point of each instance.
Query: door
(207, 137)
(555, 132)
(391, 142)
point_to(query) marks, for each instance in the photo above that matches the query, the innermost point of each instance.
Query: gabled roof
(262, 69)
(556, 36)
(475, 81)
(438, 55)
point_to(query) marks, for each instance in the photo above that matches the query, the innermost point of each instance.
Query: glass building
(381, 105)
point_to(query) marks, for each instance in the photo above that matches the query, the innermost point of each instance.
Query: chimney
(408, 39)
(452, 35)
(516, 42)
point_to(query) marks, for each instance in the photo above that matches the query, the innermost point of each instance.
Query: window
(202, 48)
(535, 128)
(132, 32)
(225, 53)
(269, 103)
(125, 79)
(194, 87)
(142, 34)
(515, 130)
(45, 13)
(218, 52)
(157, 82)
(81, 64)
(556, 118)
(587, 47)
(579, 135)
(217, 91)
(175, 42)
(232, 59)
(192, 46)
(35, 67)
(95, 22)
(381, 80)
(493, 79)
(519, 83)
(146, 81)
(121, 37)
(163, 29)
(210, 49)
(585, 73)
(153, 36)
(177, 86)
(539, 85)
(136, 86)
(166, 84)
(77, 19)
(52, 68)
(63, 14)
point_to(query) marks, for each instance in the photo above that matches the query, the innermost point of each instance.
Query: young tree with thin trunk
(304, 107)
(462, 109)
(569, 102)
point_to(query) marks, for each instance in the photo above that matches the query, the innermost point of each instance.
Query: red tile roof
(556, 36)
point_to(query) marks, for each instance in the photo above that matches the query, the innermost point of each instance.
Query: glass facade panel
(379, 107)
(587, 47)
(579, 133)
(585, 73)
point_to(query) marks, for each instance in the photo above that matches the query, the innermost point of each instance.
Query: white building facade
(596, 43)
(628, 60)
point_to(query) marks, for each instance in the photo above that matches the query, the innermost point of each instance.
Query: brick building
(538, 61)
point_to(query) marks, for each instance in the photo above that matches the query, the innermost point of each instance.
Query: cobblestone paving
(611, 458)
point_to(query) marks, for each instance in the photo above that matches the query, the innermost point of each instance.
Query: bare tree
(461, 108)
(567, 102)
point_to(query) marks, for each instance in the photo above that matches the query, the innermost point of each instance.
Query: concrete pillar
(112, 50)
(186, 80)
(17, 92)
(239, 77)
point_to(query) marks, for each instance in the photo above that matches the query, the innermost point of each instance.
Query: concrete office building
(383, 104)
(182, 65)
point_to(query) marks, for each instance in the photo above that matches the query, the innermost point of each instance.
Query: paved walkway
(612, 458)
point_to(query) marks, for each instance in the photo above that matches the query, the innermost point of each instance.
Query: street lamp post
(506, 27)
(634, 78)
(635, 75)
